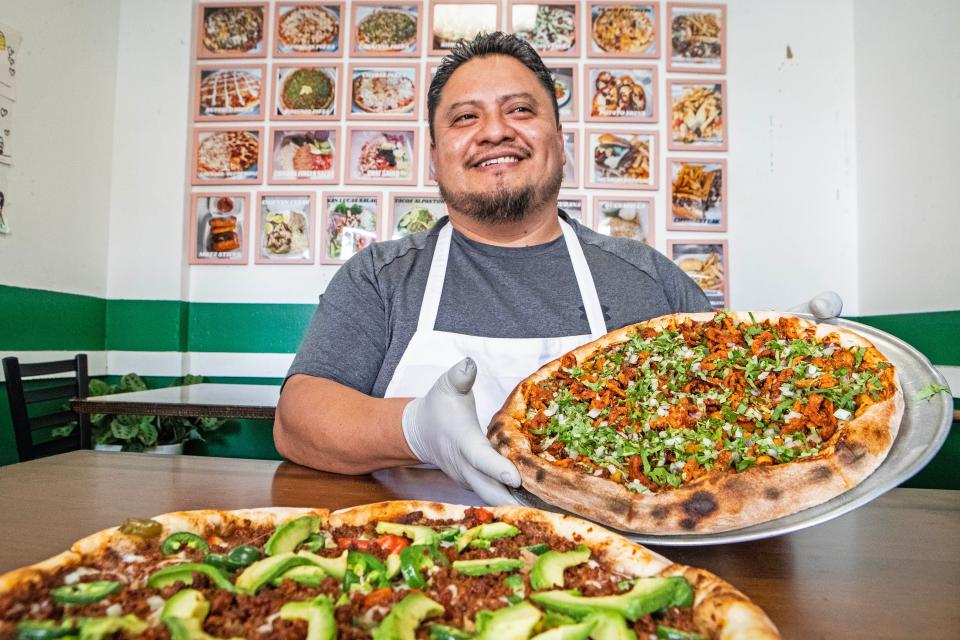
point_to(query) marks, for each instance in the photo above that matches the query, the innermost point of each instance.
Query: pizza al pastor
(390, 571)
(700, 423)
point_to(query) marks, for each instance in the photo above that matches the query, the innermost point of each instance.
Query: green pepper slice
(177, 541)
(141, 527)
(84, 592)
(219, 561)
(416, 557)
(46, 629)
(243, 555)
(184, 573)
(314, 543)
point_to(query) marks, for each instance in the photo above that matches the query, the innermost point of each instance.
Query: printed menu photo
(217, 228)
(624, 93)
(383, 92)
(226, 156)
(382, 155)
(285, 228)
(414, 212)
(232, 92)
(351, 221)
(698, 112)
(621, 159)
(231, 31)
(385, 29)
(698, 189)
(552, 28)
(624, 217)
(624, 29)
(308, 29)
(573, 206)
(309, 156)
(706, 262)
(452, 21)
(698, 37)
(307, 92)
(565, 90)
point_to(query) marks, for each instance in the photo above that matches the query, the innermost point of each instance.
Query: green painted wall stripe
(146, 325)
(247, 328)
(935, 334)
(36, 320)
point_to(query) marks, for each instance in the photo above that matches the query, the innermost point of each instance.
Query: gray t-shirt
(369, 312)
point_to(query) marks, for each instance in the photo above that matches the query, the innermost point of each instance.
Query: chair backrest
(39, 405)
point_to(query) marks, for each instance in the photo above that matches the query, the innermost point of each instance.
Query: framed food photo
(571, 151)
(575, 207)
(452, 21)
(307, 92)
(617, 159)
(285, 228)
(565, 90)
(304, 156)
(388, 29)
(552, 28)
(621, 93)
(698, 37)
(231, 30)
(229, 92)
(308, 29)
(698, 115)
(414, 212)
(623, 29)
(218, 233)
(624, 217)
(383, 91)
(351, 221)
(227, 155)
(698, 194)
(381, 155)
(707, 263)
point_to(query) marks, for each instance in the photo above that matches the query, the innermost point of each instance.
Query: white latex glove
(442, 428)
(824, 306)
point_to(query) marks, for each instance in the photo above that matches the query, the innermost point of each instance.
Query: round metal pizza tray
(925, 426)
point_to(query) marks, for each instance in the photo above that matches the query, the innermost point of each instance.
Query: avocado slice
(336, 567)
(578, 631)
(287, 536)
(186, 603)
(263, 571)
(106, 627)
(647, 595)
(669, 633)
(318, 612)
(189, 629)
(547, 571)
(419, 534)
(485, 566)
(487, 532)
(515, 622)
(610, 626)
(402, 621)
(443, 632)
(306, 574)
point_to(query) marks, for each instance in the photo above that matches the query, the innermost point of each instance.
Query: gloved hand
(442, 428)
(824, 306)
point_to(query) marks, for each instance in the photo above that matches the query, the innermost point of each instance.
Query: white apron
(501, 362)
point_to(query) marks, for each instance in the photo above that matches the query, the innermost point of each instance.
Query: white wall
(58, 205)
(907, 94)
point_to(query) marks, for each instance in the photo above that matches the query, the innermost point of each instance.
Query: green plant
(136, 433)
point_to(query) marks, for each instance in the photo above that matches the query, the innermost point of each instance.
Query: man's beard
(504, 205)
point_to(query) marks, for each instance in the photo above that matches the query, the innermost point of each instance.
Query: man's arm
(329, 426)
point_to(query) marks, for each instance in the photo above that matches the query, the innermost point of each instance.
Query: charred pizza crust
(714, 502)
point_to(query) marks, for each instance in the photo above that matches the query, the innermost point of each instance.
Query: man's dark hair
(497, 43)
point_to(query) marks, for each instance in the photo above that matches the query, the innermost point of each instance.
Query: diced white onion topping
(594, 413)
(842, 414)
(793, 415)
(74, 576)
(763, 375)
(114, 610)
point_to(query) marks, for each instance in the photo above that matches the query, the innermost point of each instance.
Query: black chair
(39, 406)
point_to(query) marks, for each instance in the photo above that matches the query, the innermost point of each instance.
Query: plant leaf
(930, 390)
(148, 434)
(98, 388)
(122, 430)
(132, 382)
(65, 430)
(210, 424)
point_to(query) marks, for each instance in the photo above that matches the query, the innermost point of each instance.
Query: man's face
(498, 151)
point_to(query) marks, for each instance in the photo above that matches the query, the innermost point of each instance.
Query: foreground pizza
(393, 570)
(699, 423)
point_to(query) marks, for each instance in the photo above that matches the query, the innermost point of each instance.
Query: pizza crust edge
(711, 504)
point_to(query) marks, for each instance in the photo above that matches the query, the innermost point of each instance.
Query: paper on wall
(4, 172)
(6, 120)
(10, 40)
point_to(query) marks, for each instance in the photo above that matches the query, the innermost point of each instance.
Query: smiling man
(417, 342)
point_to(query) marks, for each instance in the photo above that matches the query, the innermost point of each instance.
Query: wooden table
(251, 401)
(890, 569)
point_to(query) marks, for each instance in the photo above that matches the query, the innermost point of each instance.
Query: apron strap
(588, 290)
(430, 304)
